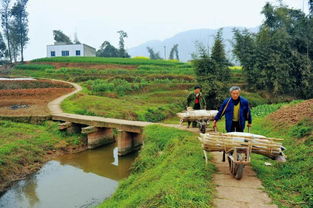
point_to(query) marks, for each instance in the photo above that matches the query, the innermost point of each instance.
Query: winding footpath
(245, 193)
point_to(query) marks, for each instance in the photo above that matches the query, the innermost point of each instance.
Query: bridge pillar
(97, 136)
(70, 127)
(128, 142)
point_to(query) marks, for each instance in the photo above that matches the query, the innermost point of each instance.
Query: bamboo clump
(194, 115)
(270, 147)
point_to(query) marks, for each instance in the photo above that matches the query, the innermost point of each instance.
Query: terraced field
(134, 89)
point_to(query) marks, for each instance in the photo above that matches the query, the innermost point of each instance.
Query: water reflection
(77, 180)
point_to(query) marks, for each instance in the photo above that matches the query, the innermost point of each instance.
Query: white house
(70, 50)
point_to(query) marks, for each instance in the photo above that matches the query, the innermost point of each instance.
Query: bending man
(236, 110)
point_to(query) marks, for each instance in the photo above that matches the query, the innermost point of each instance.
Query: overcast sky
(95, 21)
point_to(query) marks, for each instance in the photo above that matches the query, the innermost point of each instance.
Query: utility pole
(164, 52)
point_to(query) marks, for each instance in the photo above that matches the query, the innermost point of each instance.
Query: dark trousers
(195, 107)
(235, 126)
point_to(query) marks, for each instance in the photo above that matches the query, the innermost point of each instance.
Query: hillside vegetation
(134, 89)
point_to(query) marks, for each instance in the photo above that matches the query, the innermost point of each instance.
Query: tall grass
(169, 172)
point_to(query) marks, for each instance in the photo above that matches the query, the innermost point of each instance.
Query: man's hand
(249, 125)
(214, 123)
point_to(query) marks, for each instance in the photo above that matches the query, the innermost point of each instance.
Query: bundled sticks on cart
(194, 115)
(270, 147)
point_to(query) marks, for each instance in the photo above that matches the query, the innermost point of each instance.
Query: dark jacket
(244, 113)
(191, 100)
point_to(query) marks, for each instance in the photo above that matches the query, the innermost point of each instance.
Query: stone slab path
(245, 193)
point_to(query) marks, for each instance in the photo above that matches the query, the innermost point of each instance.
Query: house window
(52, 53)
(65, 53)
(78, 53)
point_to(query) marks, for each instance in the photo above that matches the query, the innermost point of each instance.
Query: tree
(218, 49)
(5, 18)
(61, 38)
(278, 58)
(76, 41)
(201, 51)
(2, 48)
(107, 50)
(212, 73)
(311, 7)
(122, 51)
(174, 51)
(152, 54)
(244, 48)
(20, 27)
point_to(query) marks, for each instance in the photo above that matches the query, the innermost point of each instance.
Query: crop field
(24, 98)
(134, 89)
(100, 60)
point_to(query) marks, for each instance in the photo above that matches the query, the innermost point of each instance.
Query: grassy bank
(289, 184)
(169, 172)
(24, 147)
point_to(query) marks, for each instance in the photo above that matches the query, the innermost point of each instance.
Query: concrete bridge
(99, 130)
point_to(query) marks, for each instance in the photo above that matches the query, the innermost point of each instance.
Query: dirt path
(245, 193)
(54, 106)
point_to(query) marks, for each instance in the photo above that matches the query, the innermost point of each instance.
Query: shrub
(302, 129)
(119, 86)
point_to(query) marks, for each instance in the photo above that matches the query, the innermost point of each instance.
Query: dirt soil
(291, 115)
(33, 102)
(90, 66)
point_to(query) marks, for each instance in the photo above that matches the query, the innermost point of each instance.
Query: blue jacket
(244, 113)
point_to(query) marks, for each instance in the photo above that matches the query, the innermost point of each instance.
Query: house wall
(89, 51)
(70, 50)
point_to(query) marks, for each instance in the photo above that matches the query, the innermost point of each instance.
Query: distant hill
(186, 41)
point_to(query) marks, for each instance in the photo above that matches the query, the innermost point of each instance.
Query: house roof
(72, 45)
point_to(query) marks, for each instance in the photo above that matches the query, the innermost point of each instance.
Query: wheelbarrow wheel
(239, 171)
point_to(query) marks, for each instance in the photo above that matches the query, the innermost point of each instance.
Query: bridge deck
(126, 125)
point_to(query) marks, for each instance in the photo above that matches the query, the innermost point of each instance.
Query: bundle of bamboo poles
(270, 147)
(193, 115)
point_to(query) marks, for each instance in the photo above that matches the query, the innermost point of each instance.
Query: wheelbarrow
(238, 157)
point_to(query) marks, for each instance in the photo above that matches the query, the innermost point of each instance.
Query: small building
(70, 50)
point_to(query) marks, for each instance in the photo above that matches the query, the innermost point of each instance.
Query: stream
(75, 180)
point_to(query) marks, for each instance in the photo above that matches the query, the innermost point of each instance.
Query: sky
(95, 21)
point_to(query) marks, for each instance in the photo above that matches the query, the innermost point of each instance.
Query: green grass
(151, 106)
(101, 60)
(254, 98)
(32, 84)
(289, 184)
(169, 172)
(24, 145)
(34, 66)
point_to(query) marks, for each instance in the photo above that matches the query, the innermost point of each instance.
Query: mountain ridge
(186, 42)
